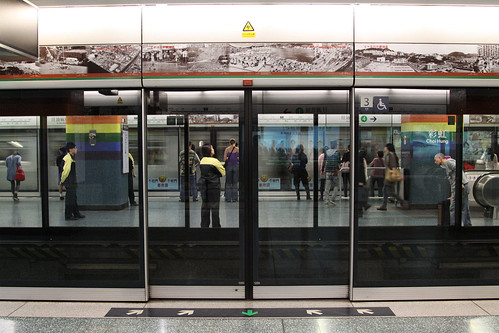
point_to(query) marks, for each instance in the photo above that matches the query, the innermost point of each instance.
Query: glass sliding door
(302, 231)
(20, 149)
(423, 235)
(195, 246)
(84, 234)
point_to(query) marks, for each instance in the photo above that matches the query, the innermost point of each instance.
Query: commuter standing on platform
(450, 167)
(211, 171)
(323, 174)
(60, 165)
(13, 162)
(362, 195)
(345, 171)
(231, 159)
(131, 176)
(68, 179)
(299, 161)
(391, 163)
(330, 167)
(193, 164)
(490, 159)
(378, 174)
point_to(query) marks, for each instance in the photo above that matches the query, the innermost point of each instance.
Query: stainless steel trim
(352, 198)
(145, 203)
(18, 52)
(197, 292)
(73, 294)
(424, 293)
(293, 292)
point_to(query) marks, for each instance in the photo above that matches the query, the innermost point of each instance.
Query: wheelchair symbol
(381, 106)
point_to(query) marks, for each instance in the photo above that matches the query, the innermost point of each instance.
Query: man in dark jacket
(193, 164)
(211, 171)
(68, 179)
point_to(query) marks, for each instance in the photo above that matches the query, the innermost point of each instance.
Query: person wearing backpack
(211, 172)
(231, 159)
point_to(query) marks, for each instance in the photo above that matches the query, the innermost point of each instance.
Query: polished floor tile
(196, 325)
(7, 308)
(490, 306)
(487, 324)
(291, 213)
(395, 325)
(69, 309)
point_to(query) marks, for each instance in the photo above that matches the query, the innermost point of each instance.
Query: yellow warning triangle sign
(120, 101)
(248, 27)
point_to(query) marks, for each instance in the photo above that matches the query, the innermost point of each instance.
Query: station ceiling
(66, 3)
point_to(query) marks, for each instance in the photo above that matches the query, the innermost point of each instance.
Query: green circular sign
(363, 119)
(299, 110)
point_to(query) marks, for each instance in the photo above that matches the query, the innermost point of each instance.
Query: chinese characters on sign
(270, 184)
(163, 183)
(439, 136)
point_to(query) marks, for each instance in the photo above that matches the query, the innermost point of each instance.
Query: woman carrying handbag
(14, 173)
(392, 175)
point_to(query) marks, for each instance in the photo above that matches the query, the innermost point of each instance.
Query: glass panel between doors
(194, 236)
(303, 217)
(434, 226)
(86, 235)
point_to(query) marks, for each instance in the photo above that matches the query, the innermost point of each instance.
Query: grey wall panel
(73, 294)
(424, 293)
(197, 292)
(290, 292)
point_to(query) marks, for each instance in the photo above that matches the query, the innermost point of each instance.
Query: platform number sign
(366, 103)
(377, 104)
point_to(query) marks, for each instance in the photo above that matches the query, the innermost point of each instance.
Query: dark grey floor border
(311, 312)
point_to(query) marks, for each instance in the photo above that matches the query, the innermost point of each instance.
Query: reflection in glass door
(19, 149)
(54, 247)
(192, 191)
(410, 244)
(302, 247)
(398, 239)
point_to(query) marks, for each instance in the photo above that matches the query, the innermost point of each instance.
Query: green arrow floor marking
(249, 312)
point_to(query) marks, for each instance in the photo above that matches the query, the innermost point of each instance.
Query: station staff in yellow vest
(68, 179)
(211, 171)
(131, 176)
